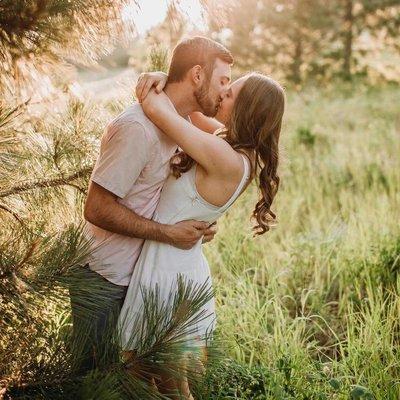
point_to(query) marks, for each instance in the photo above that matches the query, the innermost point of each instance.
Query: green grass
(311, 309)
(321, 290)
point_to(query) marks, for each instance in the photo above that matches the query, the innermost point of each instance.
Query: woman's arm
(206, 124)
(148, 80)
(158, 80)
(210, 151)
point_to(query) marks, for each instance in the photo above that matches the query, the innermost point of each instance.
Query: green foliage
(298, 41)
(229, 380)
(36, 34)
(158, 59)
(42, 247)
(56, 372)
(305, 136)
(287, 380)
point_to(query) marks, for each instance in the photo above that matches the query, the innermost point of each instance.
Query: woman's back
(180, 199)
(160, 263)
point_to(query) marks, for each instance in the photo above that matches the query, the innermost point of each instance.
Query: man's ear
(197, 75)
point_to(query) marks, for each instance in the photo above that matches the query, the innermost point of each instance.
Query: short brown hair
(197, 50)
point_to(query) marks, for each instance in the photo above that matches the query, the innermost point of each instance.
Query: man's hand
(186, 234)
(210, 233)
(103, 210)
(147, 80)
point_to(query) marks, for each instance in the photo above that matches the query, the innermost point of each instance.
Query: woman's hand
(156, 105)
(147, 80)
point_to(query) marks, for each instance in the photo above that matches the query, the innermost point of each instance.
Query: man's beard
(208, 107)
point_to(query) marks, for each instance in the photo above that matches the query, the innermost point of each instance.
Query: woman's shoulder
(234, 166)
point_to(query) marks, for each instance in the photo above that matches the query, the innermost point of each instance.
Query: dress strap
(245, 178)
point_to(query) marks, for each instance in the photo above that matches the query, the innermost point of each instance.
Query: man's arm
(124, 154)
(103, 210)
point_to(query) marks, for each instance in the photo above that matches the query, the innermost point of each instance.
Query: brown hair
(255, 126)
(197, 50)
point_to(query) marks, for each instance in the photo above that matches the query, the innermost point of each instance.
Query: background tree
(284, 35)
(36, 35)
(298, 39)
(379, 19)
(169, 31)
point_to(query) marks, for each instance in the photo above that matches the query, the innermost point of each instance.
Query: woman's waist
(171, 217)
(166, 257)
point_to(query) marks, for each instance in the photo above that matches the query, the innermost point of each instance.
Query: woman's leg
(199, 356)
(193, 362)
(168, 386)
(136, 371)
(176, 385)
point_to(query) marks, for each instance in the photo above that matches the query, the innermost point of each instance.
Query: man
(127, 179)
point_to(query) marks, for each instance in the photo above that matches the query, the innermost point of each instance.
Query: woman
(207, 177)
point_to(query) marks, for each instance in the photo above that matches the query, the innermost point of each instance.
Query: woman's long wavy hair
(254, 128)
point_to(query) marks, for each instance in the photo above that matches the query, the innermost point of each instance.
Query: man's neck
(182, 98)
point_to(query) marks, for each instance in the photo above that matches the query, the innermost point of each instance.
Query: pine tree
(45, 162)
(38, 34)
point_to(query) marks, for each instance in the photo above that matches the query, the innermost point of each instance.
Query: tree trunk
(348, 39)
(297, 60)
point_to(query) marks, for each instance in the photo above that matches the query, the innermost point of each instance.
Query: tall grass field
(308, 311)
(311, 309)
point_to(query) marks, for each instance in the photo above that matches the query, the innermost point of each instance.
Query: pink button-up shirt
(133, 164)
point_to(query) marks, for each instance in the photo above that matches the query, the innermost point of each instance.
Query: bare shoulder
(226, 161)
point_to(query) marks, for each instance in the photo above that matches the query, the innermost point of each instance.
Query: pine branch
(14, 214)
(46, 183)
(55, 31)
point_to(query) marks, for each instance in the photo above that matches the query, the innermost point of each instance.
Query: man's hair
(197, 50)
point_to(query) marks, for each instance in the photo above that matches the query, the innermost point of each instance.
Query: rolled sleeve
(124, 153)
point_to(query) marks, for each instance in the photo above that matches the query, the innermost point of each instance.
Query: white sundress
(160, 263)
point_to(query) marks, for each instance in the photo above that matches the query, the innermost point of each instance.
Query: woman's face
(228, 100)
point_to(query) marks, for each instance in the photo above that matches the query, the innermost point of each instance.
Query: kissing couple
(169, 167)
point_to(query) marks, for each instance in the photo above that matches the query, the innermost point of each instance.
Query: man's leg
(96, 304)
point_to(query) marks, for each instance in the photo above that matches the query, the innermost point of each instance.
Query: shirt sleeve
(124, 154)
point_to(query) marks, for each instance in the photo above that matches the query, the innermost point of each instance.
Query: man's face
(210, 93)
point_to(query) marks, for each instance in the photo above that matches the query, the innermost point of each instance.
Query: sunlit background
(309, 310)
(148, 14)
(294, 41)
